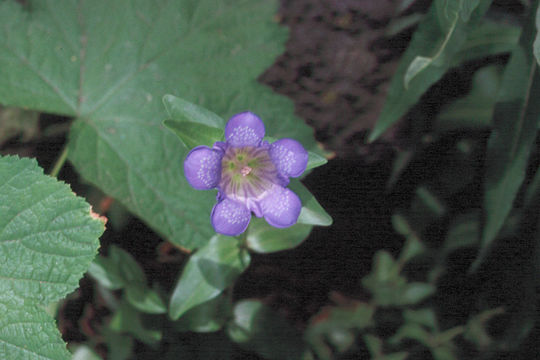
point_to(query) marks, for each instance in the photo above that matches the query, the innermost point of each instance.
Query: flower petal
(244, 129)
(281, 207)
(230, 217)
(289, 157)
(202, 167)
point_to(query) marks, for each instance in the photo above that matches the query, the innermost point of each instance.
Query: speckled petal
(281, 207)
(289, 157)
(230, 217)
(244, 129)
(202, 167)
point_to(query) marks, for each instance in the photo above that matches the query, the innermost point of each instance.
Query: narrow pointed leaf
(414, 77)
(536, 44)
(515, 124)
(487, 38)
(264, 238)
(184, 111)
(208, 272)
(315, 160)
(312, 212)
(194, 134)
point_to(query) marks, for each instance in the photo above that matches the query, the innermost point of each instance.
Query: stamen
(246, 170)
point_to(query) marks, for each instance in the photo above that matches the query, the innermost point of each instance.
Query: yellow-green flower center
(247, 174)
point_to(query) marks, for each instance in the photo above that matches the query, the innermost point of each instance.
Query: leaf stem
(60, 161)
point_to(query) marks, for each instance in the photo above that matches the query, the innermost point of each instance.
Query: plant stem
(59, 162)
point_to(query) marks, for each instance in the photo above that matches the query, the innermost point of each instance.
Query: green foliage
(263, 238)
(474, 111)
(254, 324)
(515, 122)
(448, 27)
(110, 63)
(194, 125)
(121, 271)
(208, 272)
(49, 237)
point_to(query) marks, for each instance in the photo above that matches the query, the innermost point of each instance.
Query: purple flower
(250, 174)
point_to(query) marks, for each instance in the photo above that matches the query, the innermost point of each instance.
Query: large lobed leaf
(48, 237)
(109, 63)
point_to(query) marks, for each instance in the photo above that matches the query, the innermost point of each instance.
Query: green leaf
(193, 134)
(208, 272)
(385, 268)
(128, 320)
(476, 329)
(443, 353)
(463, 233)
(413, 247)
(264, 238)
(83, 352)
(193, 124)
(467, 8)
(425, 317)
(334, 327)
(312, 212)
(421, 66)
(515, 125)
(48, 238)
(106, 273)
(416, 292)
(181, 110)
(119, 346)
(374, 345)
(411, 331)
(128, 268)
(315, 160)
(145, 299)
(121, 271)
(206, 317)
(536, 44)
(109, 64)
(487, 38)
(254, 324)
(475, 110)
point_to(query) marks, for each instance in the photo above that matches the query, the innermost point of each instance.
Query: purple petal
(202, 167)
(230, 217)
(244, 129)
(281, 207)
(289, 157)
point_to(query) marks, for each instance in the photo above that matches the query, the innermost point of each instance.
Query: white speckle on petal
(279, 204)
(285, 158)
(208, 168)
(243, 135)
(233, 213)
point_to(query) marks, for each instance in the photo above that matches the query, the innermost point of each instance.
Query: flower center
(247, 174)
(246, 170)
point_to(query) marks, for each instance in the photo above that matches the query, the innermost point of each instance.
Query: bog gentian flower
(250, 175)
